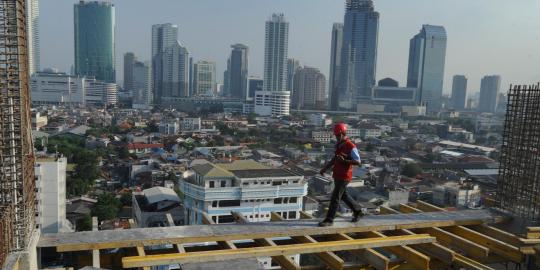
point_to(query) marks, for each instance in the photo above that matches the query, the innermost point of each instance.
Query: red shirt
(340, 170)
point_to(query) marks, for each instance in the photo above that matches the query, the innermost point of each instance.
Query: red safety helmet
(340, 128)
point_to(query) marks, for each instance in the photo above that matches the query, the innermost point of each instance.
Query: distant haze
(484, 36)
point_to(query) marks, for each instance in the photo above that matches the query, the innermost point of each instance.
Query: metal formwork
(518, 186)
(17, 182)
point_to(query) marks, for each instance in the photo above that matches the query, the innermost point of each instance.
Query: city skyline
(473, 59)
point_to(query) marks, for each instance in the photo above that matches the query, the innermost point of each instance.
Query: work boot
(326, 223)
(357, 215)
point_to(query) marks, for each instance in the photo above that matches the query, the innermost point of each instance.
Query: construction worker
(346, 155)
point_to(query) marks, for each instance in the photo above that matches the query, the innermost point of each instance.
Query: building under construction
(17, 195)
(518, 185)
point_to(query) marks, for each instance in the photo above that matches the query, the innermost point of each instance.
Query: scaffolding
(518, 186)
(17, 191)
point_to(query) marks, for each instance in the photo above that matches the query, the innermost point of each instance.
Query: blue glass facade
(359, 52)
(94, 24)
(427, 53)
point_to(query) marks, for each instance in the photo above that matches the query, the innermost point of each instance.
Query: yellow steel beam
(284, 261)
(332, 260)
(470, 264)
(456, 242)
(497, 234)
(218, 255)
(412, 256)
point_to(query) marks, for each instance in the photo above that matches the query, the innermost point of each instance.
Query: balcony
(242, 193)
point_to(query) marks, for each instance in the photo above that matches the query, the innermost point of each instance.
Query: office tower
(174, 71)
(227, 79)
(254, 84)
(238, 71)
(459, 92)
(163, 36)
(190, 76)
(489, 92)
(129, 62)
(335, 65)
(95, 26)
(274, 100)
(309, 89)
(275, 53)
(51, 180)
(518, 184)
(427, 53)
(32, 37)
(142, 84)
(17, 178)
(292, 66)
(359, 52)
(204, 78)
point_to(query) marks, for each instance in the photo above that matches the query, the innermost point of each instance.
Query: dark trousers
(340, 193)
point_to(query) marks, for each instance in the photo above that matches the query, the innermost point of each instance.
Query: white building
(191, 124)
(320, 120)
(51, 184)
(55, 87)
(246, 187)
(204, 78)
(169, 128)
(272, 103)
(457, 195)
(322, 136)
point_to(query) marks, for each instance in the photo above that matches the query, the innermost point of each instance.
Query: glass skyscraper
(459, 92)
(427, 53)
(359, 52)
(95, 40)
(489, 93)
(238, 71)
(164, 36)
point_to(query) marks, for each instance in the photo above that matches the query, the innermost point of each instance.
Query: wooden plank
(410, 255)
(221, 232)
(95, 253)
(140, 249)
(170, 221)
(456, 242)
(470, 264)
(496, 246)
(497, 234)
(332, 260)
(208, 221)
(284, 261)
(283, 250)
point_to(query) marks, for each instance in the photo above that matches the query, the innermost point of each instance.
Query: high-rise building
(95, 25)
(335, 65)
(163, 36)
(459, 92)
(51, 180)
(292, 66)
(142, 84)
(427, 53)
(254, 84)
(204, 78)
(227, 79)
(275, 53)
(174, 71)
(359, 52)
(274, 100)
(489, 92)
(32, 27)
(129, 62)
(309, 89)
(518, 184)
(238, 71)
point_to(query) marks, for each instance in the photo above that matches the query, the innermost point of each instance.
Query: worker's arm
(355, 158)
(327, 166)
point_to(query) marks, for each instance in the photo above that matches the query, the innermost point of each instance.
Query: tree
(125, 199)
(123, 153)
(107, 207)
(370, 147)
(84, 224)
(411, 170)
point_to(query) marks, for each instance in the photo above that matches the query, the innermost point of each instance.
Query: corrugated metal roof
(157, 194)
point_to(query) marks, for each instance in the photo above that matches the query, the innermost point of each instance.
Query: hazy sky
(484, 36)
